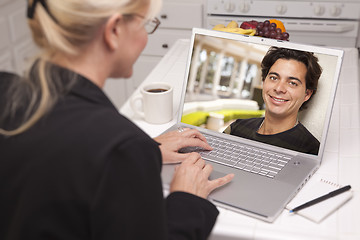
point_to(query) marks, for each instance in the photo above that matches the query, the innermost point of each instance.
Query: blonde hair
(65, 27)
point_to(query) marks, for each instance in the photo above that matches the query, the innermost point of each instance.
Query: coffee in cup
(156, 101)
(157, 90)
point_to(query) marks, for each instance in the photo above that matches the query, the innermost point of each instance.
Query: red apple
(247, 25)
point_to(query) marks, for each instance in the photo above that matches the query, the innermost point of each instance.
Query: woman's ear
(112, 31)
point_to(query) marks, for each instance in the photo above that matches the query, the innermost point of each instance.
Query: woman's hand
(192, 176)
(172, 142)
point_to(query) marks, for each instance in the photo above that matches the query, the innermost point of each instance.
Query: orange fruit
(279, 24)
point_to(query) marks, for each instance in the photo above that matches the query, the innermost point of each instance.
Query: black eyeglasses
(150, 25)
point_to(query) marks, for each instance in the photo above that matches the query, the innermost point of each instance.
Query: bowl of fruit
(272, 28)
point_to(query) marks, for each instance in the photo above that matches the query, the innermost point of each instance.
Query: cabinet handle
(163, 16)
(165, 45)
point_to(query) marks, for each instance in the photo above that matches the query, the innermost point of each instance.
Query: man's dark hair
(313, 72)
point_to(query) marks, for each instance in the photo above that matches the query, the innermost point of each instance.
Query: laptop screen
(275, 92)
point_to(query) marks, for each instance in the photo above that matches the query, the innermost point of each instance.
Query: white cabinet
(24, 54)
(181, 14)
(18, 23)
(163, 39)
(2, 2)
(6, 62)
(16, 46)
(5, 40)
(177, 20)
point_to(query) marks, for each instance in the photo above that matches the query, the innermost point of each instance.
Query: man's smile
(278, 99)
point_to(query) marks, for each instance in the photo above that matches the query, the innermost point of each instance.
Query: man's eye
(293, 83)
(272, 78)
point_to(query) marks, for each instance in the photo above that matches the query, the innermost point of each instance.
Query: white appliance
(320, 22)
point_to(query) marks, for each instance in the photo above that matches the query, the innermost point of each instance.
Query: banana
(232, 24)
(221, 27)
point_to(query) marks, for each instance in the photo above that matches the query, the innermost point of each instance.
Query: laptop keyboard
(243, 157)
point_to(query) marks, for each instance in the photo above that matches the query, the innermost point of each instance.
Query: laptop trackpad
(252, 193)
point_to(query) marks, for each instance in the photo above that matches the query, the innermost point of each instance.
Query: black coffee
(157, 90)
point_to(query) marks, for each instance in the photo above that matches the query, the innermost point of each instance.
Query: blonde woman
(71, 167)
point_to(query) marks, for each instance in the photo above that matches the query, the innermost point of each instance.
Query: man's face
(284, 88)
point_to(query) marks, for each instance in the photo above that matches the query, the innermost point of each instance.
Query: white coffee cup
(157, 102)
(215, 121)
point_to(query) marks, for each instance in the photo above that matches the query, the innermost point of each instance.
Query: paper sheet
(315, 189)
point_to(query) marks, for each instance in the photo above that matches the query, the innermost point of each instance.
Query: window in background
(224, 76)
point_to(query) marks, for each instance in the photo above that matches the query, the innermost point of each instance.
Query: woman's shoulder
(7, 77)
(100, 121)
(6, 81)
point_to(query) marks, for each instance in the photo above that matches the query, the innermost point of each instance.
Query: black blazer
(84, 171)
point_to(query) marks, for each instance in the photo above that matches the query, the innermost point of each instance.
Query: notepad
(316, 188)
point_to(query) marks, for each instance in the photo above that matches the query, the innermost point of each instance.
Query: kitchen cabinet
(16, 46)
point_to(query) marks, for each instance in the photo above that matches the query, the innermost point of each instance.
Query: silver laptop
(222, 84)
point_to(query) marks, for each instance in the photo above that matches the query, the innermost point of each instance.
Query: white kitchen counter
(341, 163)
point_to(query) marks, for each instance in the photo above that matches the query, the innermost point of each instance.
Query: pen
(322, 198)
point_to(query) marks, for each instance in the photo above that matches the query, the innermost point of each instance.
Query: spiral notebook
(317, 187)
